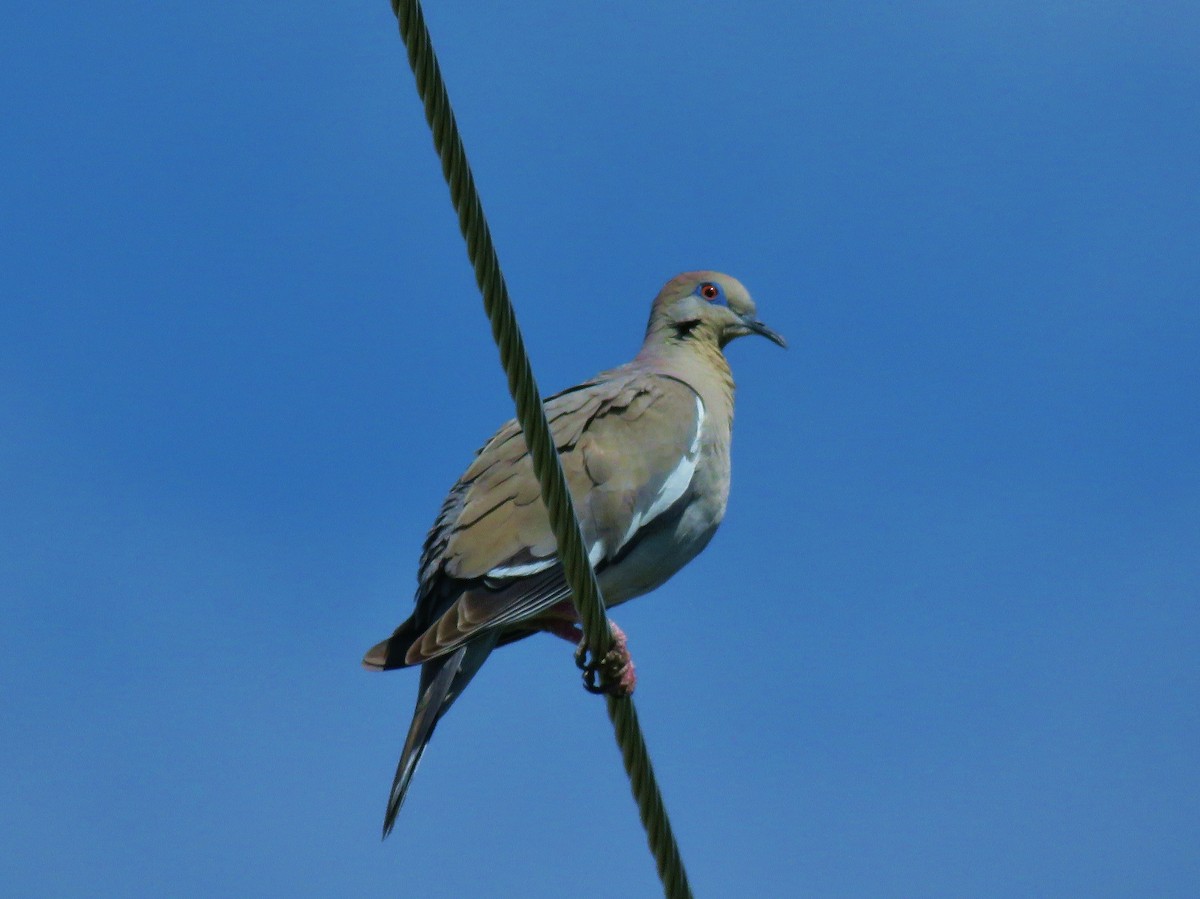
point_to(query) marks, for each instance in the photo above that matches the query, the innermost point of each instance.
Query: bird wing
(629, 442)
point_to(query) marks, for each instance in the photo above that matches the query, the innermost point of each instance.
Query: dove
(645, 448)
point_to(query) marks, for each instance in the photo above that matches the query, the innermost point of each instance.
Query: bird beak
(757, 327)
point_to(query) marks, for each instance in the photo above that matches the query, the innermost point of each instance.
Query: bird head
(706, 306)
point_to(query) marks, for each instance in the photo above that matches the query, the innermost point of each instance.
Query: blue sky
(947, 640)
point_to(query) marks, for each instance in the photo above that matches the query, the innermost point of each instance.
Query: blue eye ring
(711, 292)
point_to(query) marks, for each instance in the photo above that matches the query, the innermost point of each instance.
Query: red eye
(709, 291)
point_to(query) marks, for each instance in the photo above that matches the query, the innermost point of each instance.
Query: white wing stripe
(521, 570)
(594, 556)
(676, 483)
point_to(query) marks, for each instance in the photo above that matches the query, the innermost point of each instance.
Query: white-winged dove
(645, 449)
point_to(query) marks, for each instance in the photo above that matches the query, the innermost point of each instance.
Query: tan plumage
(645, 450)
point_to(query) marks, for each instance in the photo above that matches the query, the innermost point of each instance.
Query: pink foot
(617, 668)
(614, 674)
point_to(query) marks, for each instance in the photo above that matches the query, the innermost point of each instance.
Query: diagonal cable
(532, 417)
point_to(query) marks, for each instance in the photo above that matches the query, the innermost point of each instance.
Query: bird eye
(709, 291)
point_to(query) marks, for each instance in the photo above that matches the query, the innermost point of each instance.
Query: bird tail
(442, 680)
(387, 655)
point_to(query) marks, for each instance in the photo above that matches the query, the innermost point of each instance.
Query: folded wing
(629, 443)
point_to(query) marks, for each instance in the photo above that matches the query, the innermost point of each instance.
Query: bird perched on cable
(645, 450)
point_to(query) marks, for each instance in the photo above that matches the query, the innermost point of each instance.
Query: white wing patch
(595, 554)
(503, 571)
(676, 483)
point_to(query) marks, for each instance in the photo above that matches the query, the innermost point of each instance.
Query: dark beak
(757, 327)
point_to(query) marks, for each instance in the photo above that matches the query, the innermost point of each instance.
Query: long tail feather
(442, 680)
(429, 708)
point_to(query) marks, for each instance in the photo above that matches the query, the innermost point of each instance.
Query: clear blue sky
(947, 642)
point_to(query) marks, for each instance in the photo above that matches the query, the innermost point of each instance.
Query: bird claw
(613, 674)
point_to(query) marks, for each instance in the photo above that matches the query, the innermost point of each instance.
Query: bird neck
(698, 362)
